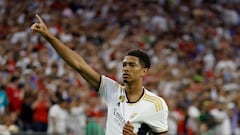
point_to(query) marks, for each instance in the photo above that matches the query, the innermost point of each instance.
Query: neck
(134, 93)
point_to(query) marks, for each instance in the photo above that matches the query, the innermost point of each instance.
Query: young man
(132, 109)
(57, 118)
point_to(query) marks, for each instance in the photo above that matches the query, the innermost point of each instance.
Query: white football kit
(147, 115)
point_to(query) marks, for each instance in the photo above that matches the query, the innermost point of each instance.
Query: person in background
(40, 112)
(26, 115)
(77, 117)
(57, 118)
(14, 94)
(3, 100)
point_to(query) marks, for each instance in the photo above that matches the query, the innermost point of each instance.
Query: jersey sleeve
(158, 120)
(108, 88)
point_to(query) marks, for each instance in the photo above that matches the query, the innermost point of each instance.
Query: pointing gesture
(40, 27)
(69, 56)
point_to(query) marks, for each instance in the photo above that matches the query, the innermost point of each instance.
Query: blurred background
(193, 44)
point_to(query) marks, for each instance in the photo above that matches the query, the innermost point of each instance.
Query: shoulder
(108, 81)
(158, 102)
(53, 110)
(55, 107)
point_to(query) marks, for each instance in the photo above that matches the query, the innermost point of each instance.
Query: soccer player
(132, 109)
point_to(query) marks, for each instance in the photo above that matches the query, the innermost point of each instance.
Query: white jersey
(148, 114)
(60, 115)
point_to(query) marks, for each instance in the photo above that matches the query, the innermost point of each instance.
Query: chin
(125, 81)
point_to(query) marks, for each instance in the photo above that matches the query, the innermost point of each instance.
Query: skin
(68, 55)
(128, 129)
(132, 71)
(132, 74)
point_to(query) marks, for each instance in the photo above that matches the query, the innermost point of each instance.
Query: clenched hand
(128, 129)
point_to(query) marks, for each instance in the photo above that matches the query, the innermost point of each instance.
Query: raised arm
(68, 55)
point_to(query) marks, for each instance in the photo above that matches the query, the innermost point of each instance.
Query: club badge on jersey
(122, 98)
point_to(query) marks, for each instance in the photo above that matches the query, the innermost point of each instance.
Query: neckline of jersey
(137, 99)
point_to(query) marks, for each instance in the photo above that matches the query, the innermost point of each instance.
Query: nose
(125, 67)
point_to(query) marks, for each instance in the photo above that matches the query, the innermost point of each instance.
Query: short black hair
(142, 56)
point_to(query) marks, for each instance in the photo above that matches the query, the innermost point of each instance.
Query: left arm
(158, 120)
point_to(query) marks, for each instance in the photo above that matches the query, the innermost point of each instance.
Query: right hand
(40, 27)
(128, 129)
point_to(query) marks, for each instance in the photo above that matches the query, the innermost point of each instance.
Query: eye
(124, 64)
(132, 64)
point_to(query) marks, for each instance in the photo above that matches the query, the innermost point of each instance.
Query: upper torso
(149, 113)
(60, 115)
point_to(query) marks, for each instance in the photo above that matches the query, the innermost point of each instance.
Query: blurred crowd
(193, 44)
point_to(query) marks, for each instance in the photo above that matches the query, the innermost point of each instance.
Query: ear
(144, 71)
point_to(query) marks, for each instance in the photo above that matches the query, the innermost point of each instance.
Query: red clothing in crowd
(41, 112)
(15, 99)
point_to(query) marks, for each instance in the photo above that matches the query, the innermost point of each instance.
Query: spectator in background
(93, 128)
(57, 118)
(206, 119)
(10, 122)
(14, 94)
(40, 109)
(26, 114)
(3, 100)
(174, 117)
(221, 117)
(77, 117)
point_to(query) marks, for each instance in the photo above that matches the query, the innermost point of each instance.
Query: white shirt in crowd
(60, 116)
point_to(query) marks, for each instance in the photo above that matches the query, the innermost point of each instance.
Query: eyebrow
(129, 62)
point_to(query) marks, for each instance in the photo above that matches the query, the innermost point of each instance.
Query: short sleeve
(158, 121)
(108, 88)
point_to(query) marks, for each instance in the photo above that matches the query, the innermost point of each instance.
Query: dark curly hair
(142, 56)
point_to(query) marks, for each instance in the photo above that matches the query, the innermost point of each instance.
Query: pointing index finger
(39, 19)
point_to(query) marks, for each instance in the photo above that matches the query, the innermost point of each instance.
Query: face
(64, 105)
(132, 69)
